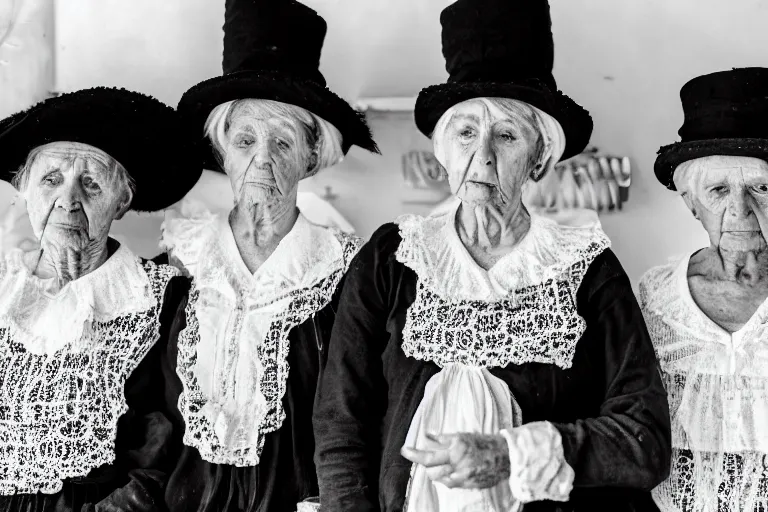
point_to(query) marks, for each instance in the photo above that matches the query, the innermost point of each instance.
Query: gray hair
(322, 137)
(550, 143)
(20, 179)
(688, 174)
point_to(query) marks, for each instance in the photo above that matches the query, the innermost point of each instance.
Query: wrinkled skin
(729, 280)
(466, 461)
(72, 197)
(489, 155)
(265, 159)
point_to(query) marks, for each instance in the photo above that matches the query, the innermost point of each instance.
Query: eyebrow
(247, 127)
(459, 117)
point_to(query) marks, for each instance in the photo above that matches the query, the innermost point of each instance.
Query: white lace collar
(432, 248)
(45, 322)
(305, 256)
(232, 356)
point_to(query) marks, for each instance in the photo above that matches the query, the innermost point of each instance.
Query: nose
(484, 162)
(70, 192)
(738, 204)
(261, 156)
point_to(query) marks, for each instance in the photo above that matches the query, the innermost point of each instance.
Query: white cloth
(44, 320)
(467, 319)
(717, 384)
(232, 358)
(60, 400)
(485, 406)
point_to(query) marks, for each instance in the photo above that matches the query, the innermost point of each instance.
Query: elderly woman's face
(265, 156)
(72, 197)
(730, 197)
(488, 153)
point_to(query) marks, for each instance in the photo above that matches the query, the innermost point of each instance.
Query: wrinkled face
(489, 154)
(73, 194)
(730, 198)
(265, 157)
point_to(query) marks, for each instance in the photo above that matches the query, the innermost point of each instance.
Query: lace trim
(59, 412)
(245, 440)
(541, 318)
(44, 322)
(431, 247)
(717, 385)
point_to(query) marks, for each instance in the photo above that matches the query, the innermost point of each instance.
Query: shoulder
(658, 284)
(380, 248)
(605, 272)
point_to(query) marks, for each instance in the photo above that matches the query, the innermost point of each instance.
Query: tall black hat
(141, 133)
(272, 51)
(726, 113)
(503, 49)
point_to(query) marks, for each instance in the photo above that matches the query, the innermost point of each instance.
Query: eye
(719, 189)
(52, 179)
(507, 136)
(90, 184)
(283, 144)
(467, 133)
(244, 142)
(761, 189)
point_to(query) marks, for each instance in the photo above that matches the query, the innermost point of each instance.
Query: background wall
(624, 61)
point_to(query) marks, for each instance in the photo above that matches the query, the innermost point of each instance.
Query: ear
(125, 205)
(312, 164)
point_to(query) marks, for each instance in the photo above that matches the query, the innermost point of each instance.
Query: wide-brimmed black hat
(726, 113)
(141, 133)
(272, 51)
(502, 49)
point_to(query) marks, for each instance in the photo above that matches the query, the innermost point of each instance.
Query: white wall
(623, 60)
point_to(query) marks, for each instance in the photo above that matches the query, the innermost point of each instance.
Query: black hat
(503, 49)
(272, 51)
(140, 132)
(726, 113)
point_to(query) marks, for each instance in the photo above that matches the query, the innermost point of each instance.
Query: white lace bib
(60, 400)
(232, 356)
(717, 385)
(520, 311)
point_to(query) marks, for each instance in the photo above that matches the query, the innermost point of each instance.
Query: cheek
(457, 160)
(39, 203)
(514, 167)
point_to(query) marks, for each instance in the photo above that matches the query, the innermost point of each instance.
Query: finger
(426, 458)
(444, 439)
(456, 480)
(438, 473)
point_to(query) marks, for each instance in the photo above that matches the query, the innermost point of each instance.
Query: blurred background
(624, 61)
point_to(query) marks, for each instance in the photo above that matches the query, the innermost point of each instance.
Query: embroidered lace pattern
(267, 412)
(534, 321)
(717, 384)
(59, 411)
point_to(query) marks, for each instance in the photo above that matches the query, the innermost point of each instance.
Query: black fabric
(286, 473)
(610, 406)
(501, 48)
(725, 114)
(272, 51)
(136, 481)
(141, 133)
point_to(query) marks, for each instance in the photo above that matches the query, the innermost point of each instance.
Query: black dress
(609, 407)
(136, 478)
(274, 470)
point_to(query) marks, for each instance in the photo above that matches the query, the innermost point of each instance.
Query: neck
(66, 263)
(490, 228)
(259, 228)
(744, 267)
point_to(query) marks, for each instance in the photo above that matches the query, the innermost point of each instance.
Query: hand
(464, 460)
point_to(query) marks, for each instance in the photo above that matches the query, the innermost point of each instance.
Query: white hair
(688, 174)
(20, 179)
(322, 137)
(550, 144)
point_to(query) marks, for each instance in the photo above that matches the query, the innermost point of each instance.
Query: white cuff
(538, 470)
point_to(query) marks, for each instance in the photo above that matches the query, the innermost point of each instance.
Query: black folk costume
(548, 347)
(81, 422)
(247, 348)
(717, 380)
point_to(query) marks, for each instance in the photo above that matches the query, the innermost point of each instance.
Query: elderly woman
(504, 354)
(82, 319)
(707, 311)
(249, 344)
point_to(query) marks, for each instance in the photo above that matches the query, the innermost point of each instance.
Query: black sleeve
(142, 454)
(351, 396)
(628, 444)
